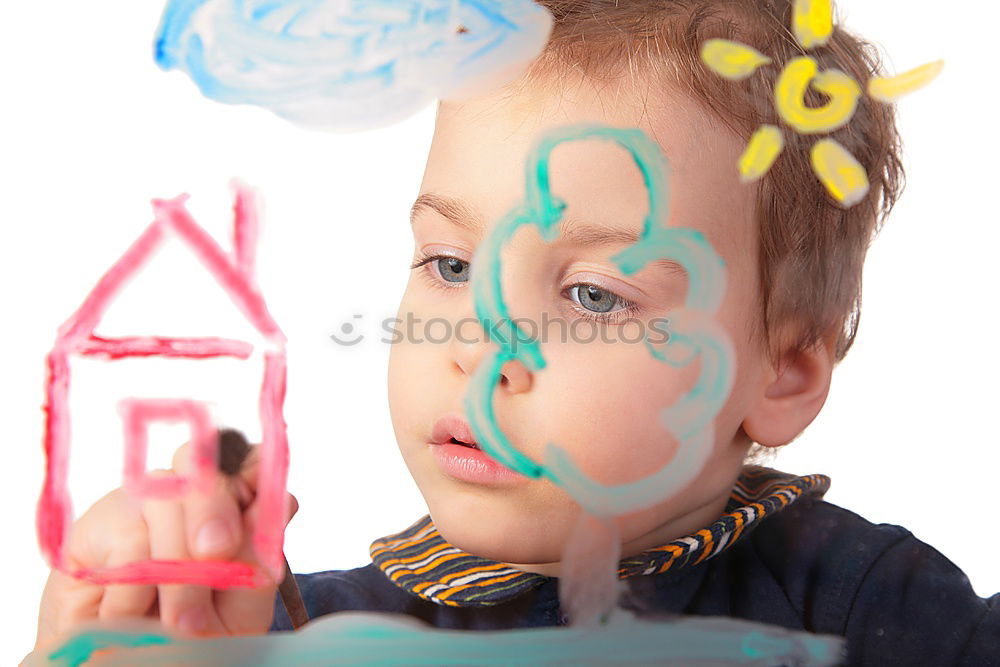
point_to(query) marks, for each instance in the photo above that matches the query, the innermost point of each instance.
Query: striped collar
(421, 562)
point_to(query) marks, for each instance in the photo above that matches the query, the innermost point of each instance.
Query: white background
(91, 130)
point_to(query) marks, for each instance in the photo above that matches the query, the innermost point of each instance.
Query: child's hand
(119, 529)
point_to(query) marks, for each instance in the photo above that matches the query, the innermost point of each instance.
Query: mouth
(452, 429)
(458, 457)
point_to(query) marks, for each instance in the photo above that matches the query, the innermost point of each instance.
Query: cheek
(425, 378)
(604, 404)
(738, 315)
(411, 371)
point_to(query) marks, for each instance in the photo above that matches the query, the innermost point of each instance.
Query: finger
(212, 520)
(66, 602)
(248, 471)
(250, 611)
(244, 483)
(186, 608)
(128, 600)
(91, 543)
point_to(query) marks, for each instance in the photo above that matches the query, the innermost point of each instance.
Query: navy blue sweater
(780, 555)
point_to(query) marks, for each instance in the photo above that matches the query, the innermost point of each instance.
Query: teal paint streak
(365, 638)
(488, 295)
(694, 334)
(80, 648)
(493, 440)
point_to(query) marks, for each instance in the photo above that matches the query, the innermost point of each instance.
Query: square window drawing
(138, 414)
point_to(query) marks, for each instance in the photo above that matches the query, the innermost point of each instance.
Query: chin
(495, 535)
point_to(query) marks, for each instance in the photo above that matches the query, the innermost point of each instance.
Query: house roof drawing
(234, 273)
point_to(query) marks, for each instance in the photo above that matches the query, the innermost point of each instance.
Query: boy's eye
(453, 269)
(594, 298)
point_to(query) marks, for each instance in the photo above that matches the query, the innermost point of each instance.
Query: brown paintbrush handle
(291, 597)
(233, 450)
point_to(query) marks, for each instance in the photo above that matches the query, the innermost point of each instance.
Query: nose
(469, 351)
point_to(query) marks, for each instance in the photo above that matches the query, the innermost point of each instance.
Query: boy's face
(601, 393)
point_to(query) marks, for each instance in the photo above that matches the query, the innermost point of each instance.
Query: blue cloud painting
(348, 64)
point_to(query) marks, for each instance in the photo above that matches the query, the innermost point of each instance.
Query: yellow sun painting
(839, 171)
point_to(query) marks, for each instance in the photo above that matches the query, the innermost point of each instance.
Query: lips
(452, 428)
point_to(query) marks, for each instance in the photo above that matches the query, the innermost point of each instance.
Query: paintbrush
(233, 450)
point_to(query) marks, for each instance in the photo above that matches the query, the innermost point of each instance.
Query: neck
(689, 522)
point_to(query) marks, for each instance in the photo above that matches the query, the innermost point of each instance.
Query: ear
(792, 392)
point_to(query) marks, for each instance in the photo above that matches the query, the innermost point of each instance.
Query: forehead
(479, 150)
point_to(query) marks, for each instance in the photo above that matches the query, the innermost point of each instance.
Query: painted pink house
(234, 272)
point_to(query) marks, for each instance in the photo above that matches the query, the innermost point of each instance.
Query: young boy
(739, 540)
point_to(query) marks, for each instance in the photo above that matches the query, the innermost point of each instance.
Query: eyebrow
(573, 231)
(453, 210)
